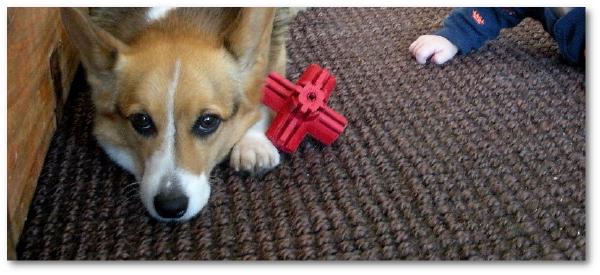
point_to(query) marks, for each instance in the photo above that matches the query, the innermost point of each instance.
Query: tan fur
(225, 55)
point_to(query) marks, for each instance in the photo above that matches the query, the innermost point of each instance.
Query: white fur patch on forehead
(171, 91)
(157, 13)
(162, 161)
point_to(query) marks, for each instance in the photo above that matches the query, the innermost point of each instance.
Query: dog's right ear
(98, 49)
(250, 32)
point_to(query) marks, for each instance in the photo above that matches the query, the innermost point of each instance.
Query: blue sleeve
(469, 28)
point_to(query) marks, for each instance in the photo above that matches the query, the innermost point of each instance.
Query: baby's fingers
(423, 52)
(413, 45)
(440, 57)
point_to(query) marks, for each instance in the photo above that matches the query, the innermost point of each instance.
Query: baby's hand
(437, 47)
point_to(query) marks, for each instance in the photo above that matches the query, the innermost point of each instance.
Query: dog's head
(171, 102)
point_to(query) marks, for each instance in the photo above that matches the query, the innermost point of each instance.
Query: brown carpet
(483, 158)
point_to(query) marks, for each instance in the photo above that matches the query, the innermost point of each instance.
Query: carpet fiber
(482, 158)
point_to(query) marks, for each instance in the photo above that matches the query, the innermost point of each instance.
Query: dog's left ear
(98, 49)
(249, 34)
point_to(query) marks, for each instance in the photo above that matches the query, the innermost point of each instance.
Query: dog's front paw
(255, 154)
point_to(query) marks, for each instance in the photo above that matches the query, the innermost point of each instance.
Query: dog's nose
(170, 202)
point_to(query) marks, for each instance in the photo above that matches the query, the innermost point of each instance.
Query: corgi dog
(177, 90)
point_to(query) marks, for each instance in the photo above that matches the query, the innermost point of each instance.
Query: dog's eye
(206, 124)
(142, 123)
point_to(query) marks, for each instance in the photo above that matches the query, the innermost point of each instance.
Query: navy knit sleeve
(469, 28)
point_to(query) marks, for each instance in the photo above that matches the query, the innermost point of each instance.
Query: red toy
(302, 109)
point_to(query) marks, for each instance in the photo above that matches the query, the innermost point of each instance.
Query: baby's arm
(465, 29)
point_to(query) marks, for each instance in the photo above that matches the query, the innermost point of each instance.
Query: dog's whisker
(129, 189)
(131, 184)
(129, 192)
(126, 200)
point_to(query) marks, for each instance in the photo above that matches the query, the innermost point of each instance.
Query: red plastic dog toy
(302, 109)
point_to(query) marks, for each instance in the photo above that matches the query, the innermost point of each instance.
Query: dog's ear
(249, 33)
(98, 49)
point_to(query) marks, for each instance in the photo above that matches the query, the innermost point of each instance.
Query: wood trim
(34, 36)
